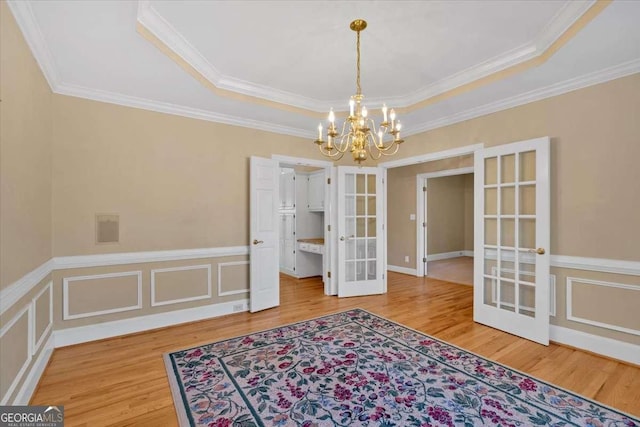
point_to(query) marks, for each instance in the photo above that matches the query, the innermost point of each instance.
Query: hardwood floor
(122, 381)
(455, 270)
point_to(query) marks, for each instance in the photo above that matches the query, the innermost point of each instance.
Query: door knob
(539, 251)
(257, 242)
(342, 238)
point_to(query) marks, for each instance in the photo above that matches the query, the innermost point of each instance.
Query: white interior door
(360, 230)
(511, 262)
(264, 186)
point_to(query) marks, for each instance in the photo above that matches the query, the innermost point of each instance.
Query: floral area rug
(357, 369)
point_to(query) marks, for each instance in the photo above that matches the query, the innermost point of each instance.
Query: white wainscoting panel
(31, 382)
(21, 287)
(25, 311)
(235, 292)
(37, 341)
(573, 318)
(155, 303)
(65, 294)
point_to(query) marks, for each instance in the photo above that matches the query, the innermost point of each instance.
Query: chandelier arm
(386, 148)
(387, 153)
(328, 153)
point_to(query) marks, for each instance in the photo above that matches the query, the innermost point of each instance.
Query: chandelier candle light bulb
(358, 134)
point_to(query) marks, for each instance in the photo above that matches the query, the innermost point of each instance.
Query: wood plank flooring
(455, 270)
(122, 381)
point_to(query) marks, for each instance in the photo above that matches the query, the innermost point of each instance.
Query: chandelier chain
(359, 90)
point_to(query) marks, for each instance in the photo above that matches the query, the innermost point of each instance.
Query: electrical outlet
(406, 259)
(238, 307)
(412, 217)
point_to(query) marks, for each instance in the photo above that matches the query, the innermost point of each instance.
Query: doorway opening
(304, 209)
(444, 226)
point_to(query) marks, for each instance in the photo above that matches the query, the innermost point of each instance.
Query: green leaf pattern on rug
(355, 368)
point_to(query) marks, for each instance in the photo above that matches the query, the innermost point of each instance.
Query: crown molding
(178, 110)
(155, 23)
(601, 76)
(23, 14)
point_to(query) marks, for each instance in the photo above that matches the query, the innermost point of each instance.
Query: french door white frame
(421, 207)
(330, 257)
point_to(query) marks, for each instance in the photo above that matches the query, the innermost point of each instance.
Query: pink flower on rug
(284, 365)
(221, 422)
(196, 353)
(309, 370)
(342, 393)
(527, 385)
(440, 415)
(247, 341)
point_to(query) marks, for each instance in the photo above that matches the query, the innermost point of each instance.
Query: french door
(360, 229)
(264, 239)
(511, 254)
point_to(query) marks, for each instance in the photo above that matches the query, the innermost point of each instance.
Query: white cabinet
(287, 242)
(315, 191)
(287, 189)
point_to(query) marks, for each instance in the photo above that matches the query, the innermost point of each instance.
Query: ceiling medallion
(357, 135)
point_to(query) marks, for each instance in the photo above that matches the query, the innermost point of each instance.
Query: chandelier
(357, 134)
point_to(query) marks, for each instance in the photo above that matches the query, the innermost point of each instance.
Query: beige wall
(447, 214)
(175, 182)
(25, 156)
(401, 202)
(595, 198)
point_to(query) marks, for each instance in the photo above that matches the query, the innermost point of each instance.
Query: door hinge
(424, 260)
(328, 180)
(294, 233)
(294, 251)
(329, 274)
(383, 276)
(328, 227)
(294, 215)
(424, 224)
(294, 269)
(294, 177)
(424, 188)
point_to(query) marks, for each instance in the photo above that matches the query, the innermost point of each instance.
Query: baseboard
(615, 349)
(403, 270)
(446, 255)
(31, 381)
(468, 253)
(82, 334)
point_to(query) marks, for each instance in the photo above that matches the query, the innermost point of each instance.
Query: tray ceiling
(279, 65)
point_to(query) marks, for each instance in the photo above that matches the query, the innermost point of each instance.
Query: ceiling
(280, 65)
